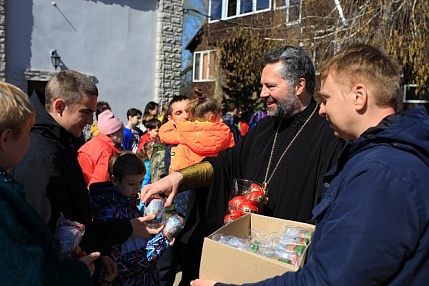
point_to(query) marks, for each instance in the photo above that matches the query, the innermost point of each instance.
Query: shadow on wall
(145, 5)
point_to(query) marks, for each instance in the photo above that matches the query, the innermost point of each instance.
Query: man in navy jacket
(373, 220)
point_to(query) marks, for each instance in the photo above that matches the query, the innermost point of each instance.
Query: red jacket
(195, 141)
(94, 157)
(145, 138)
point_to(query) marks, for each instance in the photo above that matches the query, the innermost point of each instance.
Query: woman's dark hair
(151, 105)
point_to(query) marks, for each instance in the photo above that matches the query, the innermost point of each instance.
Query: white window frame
(410, 89)
(199, 77)
(224, 13)
(287, 11)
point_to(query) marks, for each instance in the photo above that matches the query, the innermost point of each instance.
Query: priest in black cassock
(289, 151)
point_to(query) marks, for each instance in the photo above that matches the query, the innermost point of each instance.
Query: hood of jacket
(100, 143)
(407, 131)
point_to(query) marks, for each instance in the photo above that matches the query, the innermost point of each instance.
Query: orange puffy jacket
(195, 141)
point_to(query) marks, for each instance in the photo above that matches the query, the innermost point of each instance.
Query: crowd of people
(358, 172)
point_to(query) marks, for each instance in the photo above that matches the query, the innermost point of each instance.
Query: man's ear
(58, 106)
(360, 96)
(300, 86)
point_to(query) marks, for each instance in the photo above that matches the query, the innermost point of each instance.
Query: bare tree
(399, 27)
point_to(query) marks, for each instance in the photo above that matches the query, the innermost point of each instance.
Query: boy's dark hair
(124, 164)
(152, 123)
(102, 106)
(133, 112)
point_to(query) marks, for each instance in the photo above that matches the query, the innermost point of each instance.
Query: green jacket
(27, 255)
(157, 162)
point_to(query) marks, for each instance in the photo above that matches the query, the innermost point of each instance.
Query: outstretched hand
(140, 227)
(89, 261)
(168, 185)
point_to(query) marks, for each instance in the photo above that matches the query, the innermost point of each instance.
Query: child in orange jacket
(189, 142)
(202, 136)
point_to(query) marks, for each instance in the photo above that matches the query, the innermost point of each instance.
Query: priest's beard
(287, 107)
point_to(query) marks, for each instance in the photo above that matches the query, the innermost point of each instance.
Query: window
(232, 8)
(415, 94)
(222, 9)
(215, 9)
(204, 63)
(262, 4)
(292, 8)
(246, 6)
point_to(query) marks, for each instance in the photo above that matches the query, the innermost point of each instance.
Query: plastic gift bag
(157, 245)
(68, 234)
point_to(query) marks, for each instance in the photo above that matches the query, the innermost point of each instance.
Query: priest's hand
(168, 185)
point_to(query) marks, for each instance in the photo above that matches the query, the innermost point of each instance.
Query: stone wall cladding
(169, 51)
(2, 40)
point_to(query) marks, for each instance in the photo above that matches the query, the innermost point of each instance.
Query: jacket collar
(406, 131)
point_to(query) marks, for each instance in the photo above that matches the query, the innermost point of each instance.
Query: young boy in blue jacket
(117, 199)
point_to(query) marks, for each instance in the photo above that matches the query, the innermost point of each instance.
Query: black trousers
(180, 257)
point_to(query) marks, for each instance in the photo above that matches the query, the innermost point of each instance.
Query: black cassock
(295, 186)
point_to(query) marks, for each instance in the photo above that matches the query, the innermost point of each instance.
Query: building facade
(320, 27)
(231, 18)
(131, 49)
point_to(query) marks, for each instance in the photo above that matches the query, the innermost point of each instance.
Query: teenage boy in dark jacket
(50, 172)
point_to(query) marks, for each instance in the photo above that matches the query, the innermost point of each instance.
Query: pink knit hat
(108, 123)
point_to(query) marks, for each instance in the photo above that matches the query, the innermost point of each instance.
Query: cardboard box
(224, 263)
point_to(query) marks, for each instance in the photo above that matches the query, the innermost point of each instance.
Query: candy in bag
(157, 245)
(68, 234)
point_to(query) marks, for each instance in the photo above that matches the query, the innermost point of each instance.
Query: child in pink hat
(95, 154)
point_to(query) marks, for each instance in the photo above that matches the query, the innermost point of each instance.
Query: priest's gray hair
(296, 64)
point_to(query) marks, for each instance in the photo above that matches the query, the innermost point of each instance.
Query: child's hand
(78, 253)
(88, 260)
(140, 227)
(109, 269)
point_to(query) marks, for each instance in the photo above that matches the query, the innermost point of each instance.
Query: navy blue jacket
(374, 215)
(133, 267)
